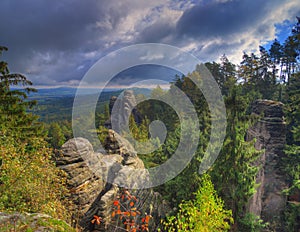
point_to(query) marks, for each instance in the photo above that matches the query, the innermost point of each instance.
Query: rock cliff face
(269, 132)
(92, 193)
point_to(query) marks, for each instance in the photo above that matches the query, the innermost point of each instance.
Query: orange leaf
(96, 220)
(133, 214)
(127, 213)
(147, 218)
(131, 204)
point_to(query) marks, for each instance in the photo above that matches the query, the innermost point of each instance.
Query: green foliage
(252, 223)
(13, 116)
(292, 216)
(55, 135)
(234, 172)
(102, 133)
(34, 222)
(224, 74)
(58, 132)
(187, 182)
(205, 213)
(259, 74)
(139, 132)
(29, 180)
(291, 162)
(158, 110)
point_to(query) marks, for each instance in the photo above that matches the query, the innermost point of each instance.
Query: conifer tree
(234, 173)
(14, 118)
(292, 159)
(29, 180)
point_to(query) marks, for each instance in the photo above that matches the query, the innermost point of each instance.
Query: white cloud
(247, 40)
(152, 57)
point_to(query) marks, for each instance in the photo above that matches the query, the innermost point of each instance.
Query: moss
(34, 222)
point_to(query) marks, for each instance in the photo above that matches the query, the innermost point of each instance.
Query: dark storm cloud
(61, 29)
(156, 32)
(47, 25)
(56, 42)
(219, 19)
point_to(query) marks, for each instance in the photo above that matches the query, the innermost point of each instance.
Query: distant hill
(56, 104)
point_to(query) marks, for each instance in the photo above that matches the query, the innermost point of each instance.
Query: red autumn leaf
(116, 203)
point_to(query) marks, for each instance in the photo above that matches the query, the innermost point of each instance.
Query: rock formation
(93, 192)
(121, 108)
(269, 202)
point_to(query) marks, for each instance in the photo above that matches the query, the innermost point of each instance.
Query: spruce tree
(14, 118)
(233, 173)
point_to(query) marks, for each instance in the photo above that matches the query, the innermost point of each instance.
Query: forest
(218, 200)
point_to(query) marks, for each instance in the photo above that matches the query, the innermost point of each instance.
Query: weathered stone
(121, 108)
(90, 177)
(269, 202)
(84, 185)
(115, 144)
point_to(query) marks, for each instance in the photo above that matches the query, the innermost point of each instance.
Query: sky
(54, 43)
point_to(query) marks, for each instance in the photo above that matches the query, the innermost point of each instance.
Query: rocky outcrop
(121, 108)
(83, 184)
(93, 192)
(269, 202)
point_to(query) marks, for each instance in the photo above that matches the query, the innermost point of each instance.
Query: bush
(29, 180)
(205, 213)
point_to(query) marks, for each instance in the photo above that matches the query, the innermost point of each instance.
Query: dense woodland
(30, 182)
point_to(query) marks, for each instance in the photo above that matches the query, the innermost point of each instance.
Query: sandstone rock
(120, 109)
(92, 179)
(269, 202)
(83, 184)
(116, 144)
